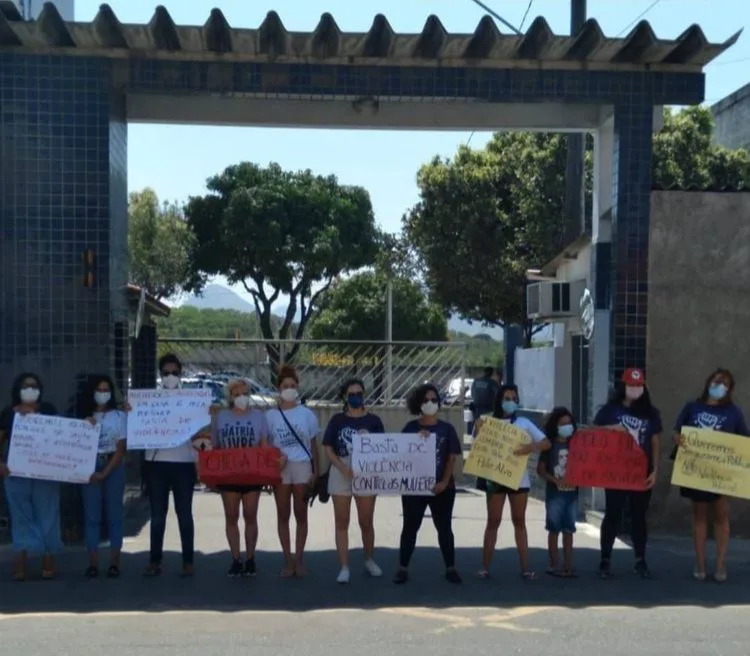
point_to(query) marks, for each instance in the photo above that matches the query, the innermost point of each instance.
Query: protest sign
(393, 464)
(164, 419)
(713, 461)
(53, 448)
(248, 466)
(492, 453)
(611, 459)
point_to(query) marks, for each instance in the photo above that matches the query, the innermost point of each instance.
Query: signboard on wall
(586, 314)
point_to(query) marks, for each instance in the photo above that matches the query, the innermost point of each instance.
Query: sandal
(91, 572)
(152, 571)
(48, 574)
(529, 575)
(19, 575)
(483, 574)
(113, 572)
(720, 576)
(287, 572)
(553, 571)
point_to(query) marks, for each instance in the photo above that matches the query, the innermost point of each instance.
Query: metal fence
(389, 370)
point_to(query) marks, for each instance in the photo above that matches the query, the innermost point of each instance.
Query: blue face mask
(565, 431)
(355, 401)
(717, 391)
(510, 407)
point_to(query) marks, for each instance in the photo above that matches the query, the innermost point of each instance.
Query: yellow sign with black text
(492, 454)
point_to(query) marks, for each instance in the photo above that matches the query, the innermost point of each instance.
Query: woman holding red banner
(506, 408)
(630, 409)
(337, 440)
(712, 410)
(293, 428)
(240, 427)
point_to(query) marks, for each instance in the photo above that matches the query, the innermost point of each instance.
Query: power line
(495, 15)
(638, 17)
(730, 62)
(526, 14)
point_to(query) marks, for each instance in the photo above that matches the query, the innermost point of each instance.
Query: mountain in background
(218, 297)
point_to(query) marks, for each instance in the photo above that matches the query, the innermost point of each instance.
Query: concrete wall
(698, 316)
(732, 117)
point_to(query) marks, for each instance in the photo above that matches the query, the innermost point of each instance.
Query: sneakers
(249, 567)
(344, 576)
(452, 576)
(236, 569)
(604, 570)
(371, 567)
(401, 576)
(641, 569)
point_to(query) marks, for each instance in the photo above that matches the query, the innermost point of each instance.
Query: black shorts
(240, 489)
(490, 488)
(699, 496)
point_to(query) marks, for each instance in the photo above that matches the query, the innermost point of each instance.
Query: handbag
(320, 488)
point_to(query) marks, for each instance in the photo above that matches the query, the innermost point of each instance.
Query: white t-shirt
(531, 429)
(305, 424)
(114, 425)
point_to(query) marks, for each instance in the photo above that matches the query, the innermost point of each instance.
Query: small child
(561, 499)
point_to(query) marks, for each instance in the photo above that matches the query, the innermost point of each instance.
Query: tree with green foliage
(206, 323)
(355, 309)
(280, 232)
(159, 241)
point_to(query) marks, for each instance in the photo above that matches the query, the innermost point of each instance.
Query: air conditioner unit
(554, 300)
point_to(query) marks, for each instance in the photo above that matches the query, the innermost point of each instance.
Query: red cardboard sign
(601, 457)
(249, 466)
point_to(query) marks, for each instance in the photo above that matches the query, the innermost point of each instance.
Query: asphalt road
(211, 614)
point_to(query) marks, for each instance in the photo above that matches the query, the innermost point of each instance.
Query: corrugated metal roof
(486, 47)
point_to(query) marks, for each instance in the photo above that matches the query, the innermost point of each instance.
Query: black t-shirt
(8, 415)
(342, 428)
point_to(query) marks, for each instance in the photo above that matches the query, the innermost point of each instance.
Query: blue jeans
(34, 515)
(562, 512)
(178, 478)
(108, 494)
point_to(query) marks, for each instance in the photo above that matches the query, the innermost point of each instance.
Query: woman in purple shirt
(240, 427)
(338, 444)
(712, 410)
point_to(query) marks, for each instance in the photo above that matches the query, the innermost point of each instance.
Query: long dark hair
(497, 411)
(347, 384)
(553, 420)
(641, 407)
(416, 398)
(725, 373)
(87, 406)
(15, 390)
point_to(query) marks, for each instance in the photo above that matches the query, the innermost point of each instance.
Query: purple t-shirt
(342, 428)
(725, 418)
(231, 430)
(446, 442)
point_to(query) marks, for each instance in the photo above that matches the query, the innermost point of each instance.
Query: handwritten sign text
(606, 458)
(492, 453)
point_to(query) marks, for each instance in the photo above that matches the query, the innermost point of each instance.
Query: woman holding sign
(338, 443)
(424, 402)
(34, 505)
(506, 408)
(240, 427)
(107, 485)
(293, 428)
(630, 410)
(712, 410)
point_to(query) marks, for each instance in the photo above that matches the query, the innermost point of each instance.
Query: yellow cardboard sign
(491, 456)
(713, 461)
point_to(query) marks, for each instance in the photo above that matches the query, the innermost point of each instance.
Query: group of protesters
(293, 429)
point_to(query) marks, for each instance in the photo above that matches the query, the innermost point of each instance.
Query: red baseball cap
(634, 378)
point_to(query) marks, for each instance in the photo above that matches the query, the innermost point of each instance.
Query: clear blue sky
(177, 160)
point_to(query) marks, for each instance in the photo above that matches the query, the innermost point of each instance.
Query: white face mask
(170, 381)
(429, 408)
(633, 393)
(102, 398)
(241, 402)
(289, 395)
(29, 395)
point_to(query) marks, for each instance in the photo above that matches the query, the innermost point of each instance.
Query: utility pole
(575, 199)
(389, 334)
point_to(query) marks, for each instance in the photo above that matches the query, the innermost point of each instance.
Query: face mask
(633, 393)
(717, 391)
(429, 408)
(290, 394)
(29, 395)
(355, 401)
(510, 407)
(170, 381)
(242, 401)
(565, 431)
(102, 398)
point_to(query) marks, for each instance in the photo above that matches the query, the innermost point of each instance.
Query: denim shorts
(562, 512)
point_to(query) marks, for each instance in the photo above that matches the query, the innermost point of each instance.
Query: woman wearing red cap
(630, 409)
(712, 410)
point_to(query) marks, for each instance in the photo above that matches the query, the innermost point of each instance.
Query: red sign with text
(606, 458)
(249, 466)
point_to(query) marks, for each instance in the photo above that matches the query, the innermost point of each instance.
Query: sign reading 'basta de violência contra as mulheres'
(393, 464)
